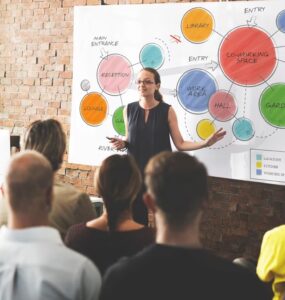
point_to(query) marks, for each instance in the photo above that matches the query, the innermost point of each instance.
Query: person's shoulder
(273, 239)
(74, 260)
(276, 231)
(79, 229)
(164, 104)
(124, 278)
(165, 107)
(134, 104)
(237, 277)
(222, 265)
(127, 265)
(81, 235)
(67, 192)
(65, 188)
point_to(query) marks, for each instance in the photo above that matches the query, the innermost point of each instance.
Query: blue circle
(243, 129)
(194, 90)
(280, 21)
(151, 56)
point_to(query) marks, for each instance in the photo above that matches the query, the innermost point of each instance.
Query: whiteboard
(222, 64)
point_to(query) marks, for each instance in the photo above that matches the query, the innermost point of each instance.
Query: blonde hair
(48, 138)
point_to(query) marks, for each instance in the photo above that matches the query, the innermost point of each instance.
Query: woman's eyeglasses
(144, 82)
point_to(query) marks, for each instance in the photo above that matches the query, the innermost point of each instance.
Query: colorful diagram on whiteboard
(215, 75)
(247, 56)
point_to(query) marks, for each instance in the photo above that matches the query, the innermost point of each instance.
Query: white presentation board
(4, 152)
(222, 64)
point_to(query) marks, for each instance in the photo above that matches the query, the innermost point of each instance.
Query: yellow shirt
(271, 262)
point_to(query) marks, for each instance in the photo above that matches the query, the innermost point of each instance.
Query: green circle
(272, 105)
(118, 121)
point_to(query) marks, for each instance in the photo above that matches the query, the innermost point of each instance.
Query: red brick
(29, 81)
(66, 75)
(93, 2)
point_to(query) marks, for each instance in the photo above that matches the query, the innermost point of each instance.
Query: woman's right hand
(117, 144)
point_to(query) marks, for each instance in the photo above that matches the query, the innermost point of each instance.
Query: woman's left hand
(215, 137)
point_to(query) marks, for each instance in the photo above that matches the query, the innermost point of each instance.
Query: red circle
(247, 56)
(222, 106)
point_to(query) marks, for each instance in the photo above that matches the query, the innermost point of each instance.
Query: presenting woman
(149, 124)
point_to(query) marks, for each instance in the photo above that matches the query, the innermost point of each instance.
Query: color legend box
(267, 165)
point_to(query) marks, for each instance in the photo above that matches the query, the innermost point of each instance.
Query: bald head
(28, 183)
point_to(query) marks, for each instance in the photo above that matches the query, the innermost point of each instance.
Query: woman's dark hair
(157, 94)
(48, 138)
(118, 182)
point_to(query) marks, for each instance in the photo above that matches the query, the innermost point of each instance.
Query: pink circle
(247, 56)
(114, 74)
(222, 106)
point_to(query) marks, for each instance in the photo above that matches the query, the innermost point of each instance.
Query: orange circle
(197, 25)
(93, 109)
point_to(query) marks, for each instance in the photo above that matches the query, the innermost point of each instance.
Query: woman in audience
(114, 234)
(70, 206)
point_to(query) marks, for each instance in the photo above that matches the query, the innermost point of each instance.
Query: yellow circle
(197, 25)
(93, 109)
(205, 128)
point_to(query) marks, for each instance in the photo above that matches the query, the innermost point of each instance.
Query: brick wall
(35, 82)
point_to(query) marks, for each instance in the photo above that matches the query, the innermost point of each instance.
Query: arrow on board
(178, 70)
(104, 53)
(251, 22)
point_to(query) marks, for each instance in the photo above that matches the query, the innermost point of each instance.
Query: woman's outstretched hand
(215, 137)
(117, 144)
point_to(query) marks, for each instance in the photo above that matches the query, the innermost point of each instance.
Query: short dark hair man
(177, 267)
(34, 262)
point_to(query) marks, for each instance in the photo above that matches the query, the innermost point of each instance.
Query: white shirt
(36, 265)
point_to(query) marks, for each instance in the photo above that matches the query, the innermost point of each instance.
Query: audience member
(177, 267)
(114, 234)
(271, 262)
(34, 263)
(71, 206)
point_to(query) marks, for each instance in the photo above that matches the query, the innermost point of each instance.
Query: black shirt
(163, 272)
(147, 138)
(105, 248)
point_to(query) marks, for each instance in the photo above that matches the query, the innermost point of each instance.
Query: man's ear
(3, 190)
(149, 202)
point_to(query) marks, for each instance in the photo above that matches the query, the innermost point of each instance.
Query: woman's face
(146, 84)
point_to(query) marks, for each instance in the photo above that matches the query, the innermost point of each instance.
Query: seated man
(34, 263)
(271, 262)
(177, 267)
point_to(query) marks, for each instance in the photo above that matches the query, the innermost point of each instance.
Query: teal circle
(243, 129)
(151, 56)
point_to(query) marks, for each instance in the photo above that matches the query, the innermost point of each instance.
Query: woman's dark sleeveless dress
(145, 140)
